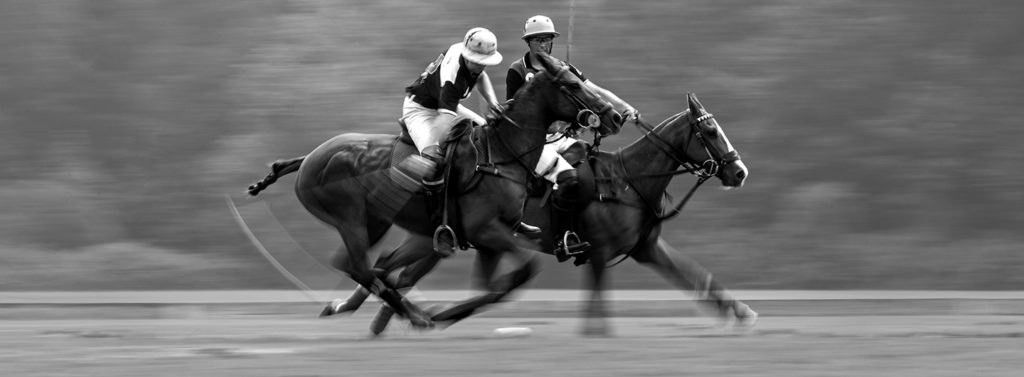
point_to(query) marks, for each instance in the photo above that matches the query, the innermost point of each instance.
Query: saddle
(437, 196)
(405, 146)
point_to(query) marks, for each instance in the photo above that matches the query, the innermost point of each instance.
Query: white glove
(630, 114)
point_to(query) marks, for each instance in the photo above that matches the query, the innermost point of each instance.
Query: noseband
(707, 169)
(704, 171)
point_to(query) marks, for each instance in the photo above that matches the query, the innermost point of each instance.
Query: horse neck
(643, 156)
(524, 139)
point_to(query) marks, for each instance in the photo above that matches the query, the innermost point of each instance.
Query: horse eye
(710, 127)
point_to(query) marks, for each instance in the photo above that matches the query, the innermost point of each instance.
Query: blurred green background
(882, 137)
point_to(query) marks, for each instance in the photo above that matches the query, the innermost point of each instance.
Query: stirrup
(570, 246)
(444, 241)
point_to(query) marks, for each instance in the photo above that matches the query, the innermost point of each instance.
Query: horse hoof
(381, 320)
(599, 332)
(422, 324)
(421, 321)
(336, 306)
(746, 317)
(595, 329)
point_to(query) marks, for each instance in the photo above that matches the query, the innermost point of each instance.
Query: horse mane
(461, 128)
(523, 88)
(658, 127)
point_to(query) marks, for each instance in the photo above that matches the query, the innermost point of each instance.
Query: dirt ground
(287, 345)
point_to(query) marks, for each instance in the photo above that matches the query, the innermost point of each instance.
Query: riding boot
(530, 231)
(564, 206)
(406, 178)
(434, 181)
(568, 189)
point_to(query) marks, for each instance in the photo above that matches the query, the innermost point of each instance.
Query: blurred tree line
(881, 136)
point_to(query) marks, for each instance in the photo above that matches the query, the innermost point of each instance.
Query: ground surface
(256, 344)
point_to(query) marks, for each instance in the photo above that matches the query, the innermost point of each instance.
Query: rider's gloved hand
(494, 111)
(630, 113)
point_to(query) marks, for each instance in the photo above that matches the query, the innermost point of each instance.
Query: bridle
(581, 106)
(703, 171)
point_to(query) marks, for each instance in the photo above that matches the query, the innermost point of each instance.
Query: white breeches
(551, 162)
(420, 122)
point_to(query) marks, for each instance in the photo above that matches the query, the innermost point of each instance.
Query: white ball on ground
(513, 331)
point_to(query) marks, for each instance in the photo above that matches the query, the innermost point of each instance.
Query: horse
(345, 182)
(625, 219)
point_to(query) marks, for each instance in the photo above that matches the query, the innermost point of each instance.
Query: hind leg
(686, 274)
(353, 261)
(415, 254)
(498, 287)
(418, 258)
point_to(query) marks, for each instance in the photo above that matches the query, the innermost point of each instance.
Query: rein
(703, 172)
(490, 166)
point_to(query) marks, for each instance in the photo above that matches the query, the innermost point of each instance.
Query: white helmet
(481, 46)
(539, 25)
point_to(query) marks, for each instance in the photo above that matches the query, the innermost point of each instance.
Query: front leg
(688, 275)
(595, 316)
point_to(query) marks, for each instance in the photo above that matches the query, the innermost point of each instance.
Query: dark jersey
(445, 82)
(522, 71)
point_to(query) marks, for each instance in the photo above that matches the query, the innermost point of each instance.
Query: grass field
(265, 345)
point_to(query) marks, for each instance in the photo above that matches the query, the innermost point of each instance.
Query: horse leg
(413, 249)
(497, 288)
(595, 316)
(485, 267)
(353, 261)
(686, 274)
(417, 250)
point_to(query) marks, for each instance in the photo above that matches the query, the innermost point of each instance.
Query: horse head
(574, 100)
(710, 148)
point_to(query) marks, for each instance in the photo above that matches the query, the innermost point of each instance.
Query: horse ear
(695, 107)
(547, 62)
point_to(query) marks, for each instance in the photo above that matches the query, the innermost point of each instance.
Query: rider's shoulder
(518, 65)
(454, 51)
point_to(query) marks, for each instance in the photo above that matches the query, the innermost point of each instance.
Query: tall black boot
(568, 190)
(435, 181)
(564, 201)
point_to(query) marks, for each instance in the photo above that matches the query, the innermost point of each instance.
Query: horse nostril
(741, 174)
(616, 117)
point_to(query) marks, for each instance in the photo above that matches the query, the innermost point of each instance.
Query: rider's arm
(483, 85)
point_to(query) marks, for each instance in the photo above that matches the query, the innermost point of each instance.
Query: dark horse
(338, 180)
(625, 218)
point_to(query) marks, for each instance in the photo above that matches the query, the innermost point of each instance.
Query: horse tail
(278, 169)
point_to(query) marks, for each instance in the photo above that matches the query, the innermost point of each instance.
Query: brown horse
(625, 220)
(627, 216)
(341, 183)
